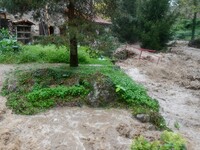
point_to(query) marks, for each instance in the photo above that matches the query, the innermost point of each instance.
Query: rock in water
(103, 91)
(143, 117)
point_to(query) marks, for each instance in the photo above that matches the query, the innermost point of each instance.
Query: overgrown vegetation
(77, 24)
(183, 29)
(33, 91)
(168, 141)
(49, 54)
(8, 42)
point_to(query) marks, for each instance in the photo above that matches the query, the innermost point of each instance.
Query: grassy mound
(33, 91)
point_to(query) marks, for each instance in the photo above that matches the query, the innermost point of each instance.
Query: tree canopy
(76, 13)
(146, 21)
(125, 21)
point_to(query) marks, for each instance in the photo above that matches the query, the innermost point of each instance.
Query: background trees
(147, 21)
(78, 14)
(189, 9)
(156, 20)
(125, 21)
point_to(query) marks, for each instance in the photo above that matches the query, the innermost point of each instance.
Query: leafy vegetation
(182, 29)
(45, 98)
(48, 54)
(189, 9)
(8, 43)
(156, 21)
(168, 141)
(36, 90)
(125, 21)
(78, 24)
(148, 22)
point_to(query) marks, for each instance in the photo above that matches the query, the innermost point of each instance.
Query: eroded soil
(175, 83)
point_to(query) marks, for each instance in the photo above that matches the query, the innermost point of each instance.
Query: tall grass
(48, 54)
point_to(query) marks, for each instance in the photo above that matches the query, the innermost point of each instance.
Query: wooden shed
(23, 30)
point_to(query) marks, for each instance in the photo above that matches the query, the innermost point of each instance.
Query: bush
(168, 141)
(8, 43)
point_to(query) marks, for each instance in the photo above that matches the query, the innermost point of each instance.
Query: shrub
(168, 141)
(8, 43)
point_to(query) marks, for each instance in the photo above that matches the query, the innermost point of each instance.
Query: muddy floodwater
(175, 83)
(66, 128)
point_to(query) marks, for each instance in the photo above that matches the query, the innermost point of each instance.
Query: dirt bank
(69, 128)
(175, 83)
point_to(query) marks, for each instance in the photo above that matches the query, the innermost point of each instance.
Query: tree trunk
(72, 34)
(194, 21)
(194, 25)
(73, 52)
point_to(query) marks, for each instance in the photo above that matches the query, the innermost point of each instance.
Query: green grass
(48, 54)
(37, 90)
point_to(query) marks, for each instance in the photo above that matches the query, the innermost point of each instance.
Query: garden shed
(23, 30)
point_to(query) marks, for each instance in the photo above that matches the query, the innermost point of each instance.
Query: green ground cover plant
(168, 141)
(35, 90)
(8, 42)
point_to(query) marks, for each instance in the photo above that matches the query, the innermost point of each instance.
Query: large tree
(156, 19)
(76, 12)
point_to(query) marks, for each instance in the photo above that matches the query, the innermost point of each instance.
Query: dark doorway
(51, 30)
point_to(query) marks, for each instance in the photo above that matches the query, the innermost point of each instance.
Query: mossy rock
(194, 43)
(103, 91)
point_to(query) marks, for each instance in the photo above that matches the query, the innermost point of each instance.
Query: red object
(148, 50)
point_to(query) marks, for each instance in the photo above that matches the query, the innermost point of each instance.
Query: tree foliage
(148, 21)
(156, 20)
(79, 14)
(190, 9)
(125, 21)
